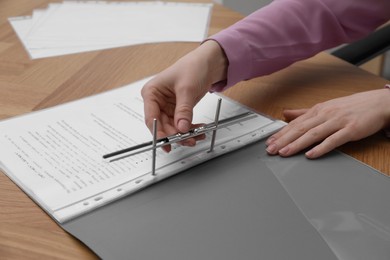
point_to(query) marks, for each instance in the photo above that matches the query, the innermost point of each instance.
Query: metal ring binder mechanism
(157, 143)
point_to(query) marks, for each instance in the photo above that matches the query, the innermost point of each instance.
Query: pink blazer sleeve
(286, 31)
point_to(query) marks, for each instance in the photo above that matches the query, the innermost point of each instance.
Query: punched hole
(98, 198)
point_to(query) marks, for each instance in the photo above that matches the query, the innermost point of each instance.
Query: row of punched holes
(86, 203)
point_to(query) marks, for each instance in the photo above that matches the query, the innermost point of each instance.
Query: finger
(187, 142)
(192, 141)
(151, 112)
(311, 137)
(338, 138)
(291, 132)
(185, 102)
(152, 108)
(164, 129)
(294, 124)
(291, 114)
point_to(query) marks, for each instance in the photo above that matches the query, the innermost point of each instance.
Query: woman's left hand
(332, 123)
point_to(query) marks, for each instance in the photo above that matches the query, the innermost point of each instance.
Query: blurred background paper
(74, 26)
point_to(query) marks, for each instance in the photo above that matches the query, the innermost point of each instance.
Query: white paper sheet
(77, 26)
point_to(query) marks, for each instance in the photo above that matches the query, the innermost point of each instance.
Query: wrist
(216, 60)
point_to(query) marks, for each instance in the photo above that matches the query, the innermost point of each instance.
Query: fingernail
(183, 125)
(272, 149)
(284, 150)
(310, 154)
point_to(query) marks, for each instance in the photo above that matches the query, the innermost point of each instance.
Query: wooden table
(26, 232)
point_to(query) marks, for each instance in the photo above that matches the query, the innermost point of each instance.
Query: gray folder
(247, 205)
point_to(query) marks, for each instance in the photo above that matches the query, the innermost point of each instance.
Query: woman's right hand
(172, 94)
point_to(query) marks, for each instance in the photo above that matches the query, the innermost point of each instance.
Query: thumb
(183, 114)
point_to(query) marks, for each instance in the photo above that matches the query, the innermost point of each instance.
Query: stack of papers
(79, 26)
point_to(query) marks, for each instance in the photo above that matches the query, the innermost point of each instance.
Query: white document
(55, 155)
(76, 26)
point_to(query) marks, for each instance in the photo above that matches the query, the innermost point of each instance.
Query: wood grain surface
(26, 231)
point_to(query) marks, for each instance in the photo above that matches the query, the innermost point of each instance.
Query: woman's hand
(171, 96)
(332, 123)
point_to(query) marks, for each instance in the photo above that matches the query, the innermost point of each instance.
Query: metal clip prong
(215, 124)
(154, 147)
